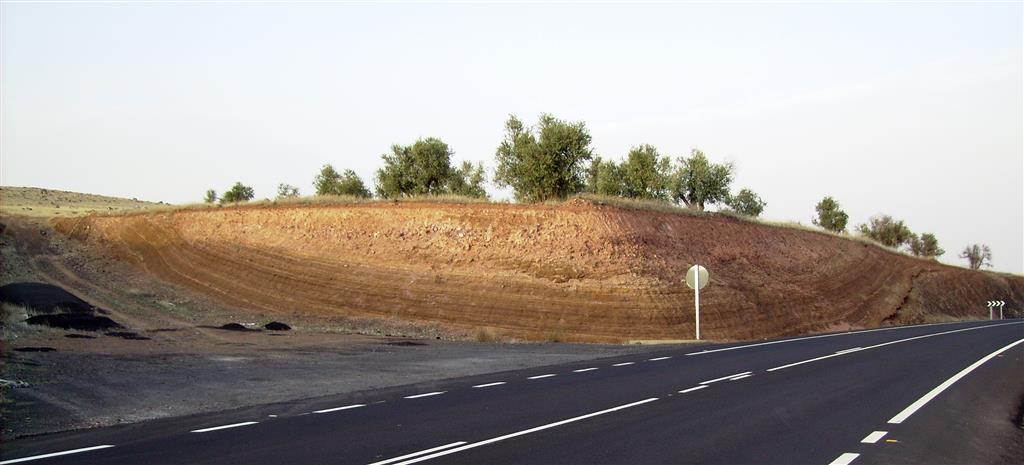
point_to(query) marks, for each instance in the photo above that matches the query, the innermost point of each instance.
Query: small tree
(211, 196)
(830, 216)
(468, 180)
(421, 168)
(925, 246)
(886, 230)
(604, 177)
(698, 182)
(285, 191)
(326, 181)
(645, 174)
(238, 193)
(351, 184)
(544, 164)
(746, 202)
(977, 255)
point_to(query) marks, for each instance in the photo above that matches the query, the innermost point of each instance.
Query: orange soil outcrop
(576, 271)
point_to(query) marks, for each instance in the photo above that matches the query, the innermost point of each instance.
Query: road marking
(658, 358)
(846, 351)
(525, 432)
(55, 454)
(623, 364)
(499, 383)
(874, 437)
(844, 459)
(724, 378)
(542, 376)
(810, 337)
(583, 369)
(695, 388)
(823, 357)
(335, 409)
(740, 377)
(907, 412)
(422, 452)
(417, 396)
(215, 428)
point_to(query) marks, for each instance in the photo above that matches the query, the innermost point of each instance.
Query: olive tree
(697, 182)
(238, 193)
(746, 202)
(925, 245)
(886, 230)
(977, 255)
(423, 168)
(645, 174)
(547, 162)
(830, 216)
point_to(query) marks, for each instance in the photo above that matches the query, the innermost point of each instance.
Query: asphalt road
(923, 394)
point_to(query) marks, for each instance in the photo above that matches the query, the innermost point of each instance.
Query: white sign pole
(696, 301)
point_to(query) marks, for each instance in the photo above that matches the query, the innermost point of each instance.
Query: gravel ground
(73, 390)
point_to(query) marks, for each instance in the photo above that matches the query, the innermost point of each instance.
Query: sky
(915, 110)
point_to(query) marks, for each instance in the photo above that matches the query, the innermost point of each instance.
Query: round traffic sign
(691, 276)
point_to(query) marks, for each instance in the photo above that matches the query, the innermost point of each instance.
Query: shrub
(238, 193)
(886, 231)
(285, 191)
(746, 202)
(211, 196)
(925, 246)
(830, 216)
(468, 180)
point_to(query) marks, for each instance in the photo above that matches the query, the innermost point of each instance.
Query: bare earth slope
(576, 271)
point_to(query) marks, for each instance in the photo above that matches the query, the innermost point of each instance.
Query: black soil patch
(277, 326)
(233, 327)
(127, 335)
(45, 298)
(79, 321)
(35, 349)
(405, 343)
(79, 336)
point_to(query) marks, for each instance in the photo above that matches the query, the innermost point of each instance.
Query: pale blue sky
(909, 109)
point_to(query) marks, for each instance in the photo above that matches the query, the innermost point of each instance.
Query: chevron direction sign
(995, 303)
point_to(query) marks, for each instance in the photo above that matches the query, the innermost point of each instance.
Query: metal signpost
(697, 277)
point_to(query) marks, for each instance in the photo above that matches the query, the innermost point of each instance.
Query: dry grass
(48, 203)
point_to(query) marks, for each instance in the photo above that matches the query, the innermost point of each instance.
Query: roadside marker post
(991, 308)
(696, 278)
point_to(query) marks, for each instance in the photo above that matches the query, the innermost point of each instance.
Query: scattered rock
(277, 326)
(127, 335)
(12, 384)
(35, 349)
(79, 321)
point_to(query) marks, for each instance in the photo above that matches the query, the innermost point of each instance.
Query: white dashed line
(695, 388)
(55, 454)
(658, 358)
(846, 351)
(740, 377)
(844, 459)
(623, 364)
(524, 432)
(907, 412)
(414, 454)
(335, 409)
(581, 370)
(499, 383)
(542, 376)
(874, 437)
(724, 378)
(417, 396)
(215, 428)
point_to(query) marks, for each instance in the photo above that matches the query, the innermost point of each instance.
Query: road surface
(942, 393)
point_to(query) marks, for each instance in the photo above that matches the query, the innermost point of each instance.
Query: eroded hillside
(576, 271)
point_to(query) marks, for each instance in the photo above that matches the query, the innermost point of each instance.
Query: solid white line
(907, 412)
(499, 383)
(846, 351)
(215, 428)
(623, 364)
(55, 454)
(724, 378)
(435, 449)
(697, 388)
(874, 437)
(740, 377)
(542, 376)
(583, 369)
(658, 358)
(845, 459)
(417, 396)
(526, 431)
(823, 357)
(783, 341)
(335, 409)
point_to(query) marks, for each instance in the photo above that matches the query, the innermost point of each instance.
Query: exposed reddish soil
(576, 271)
